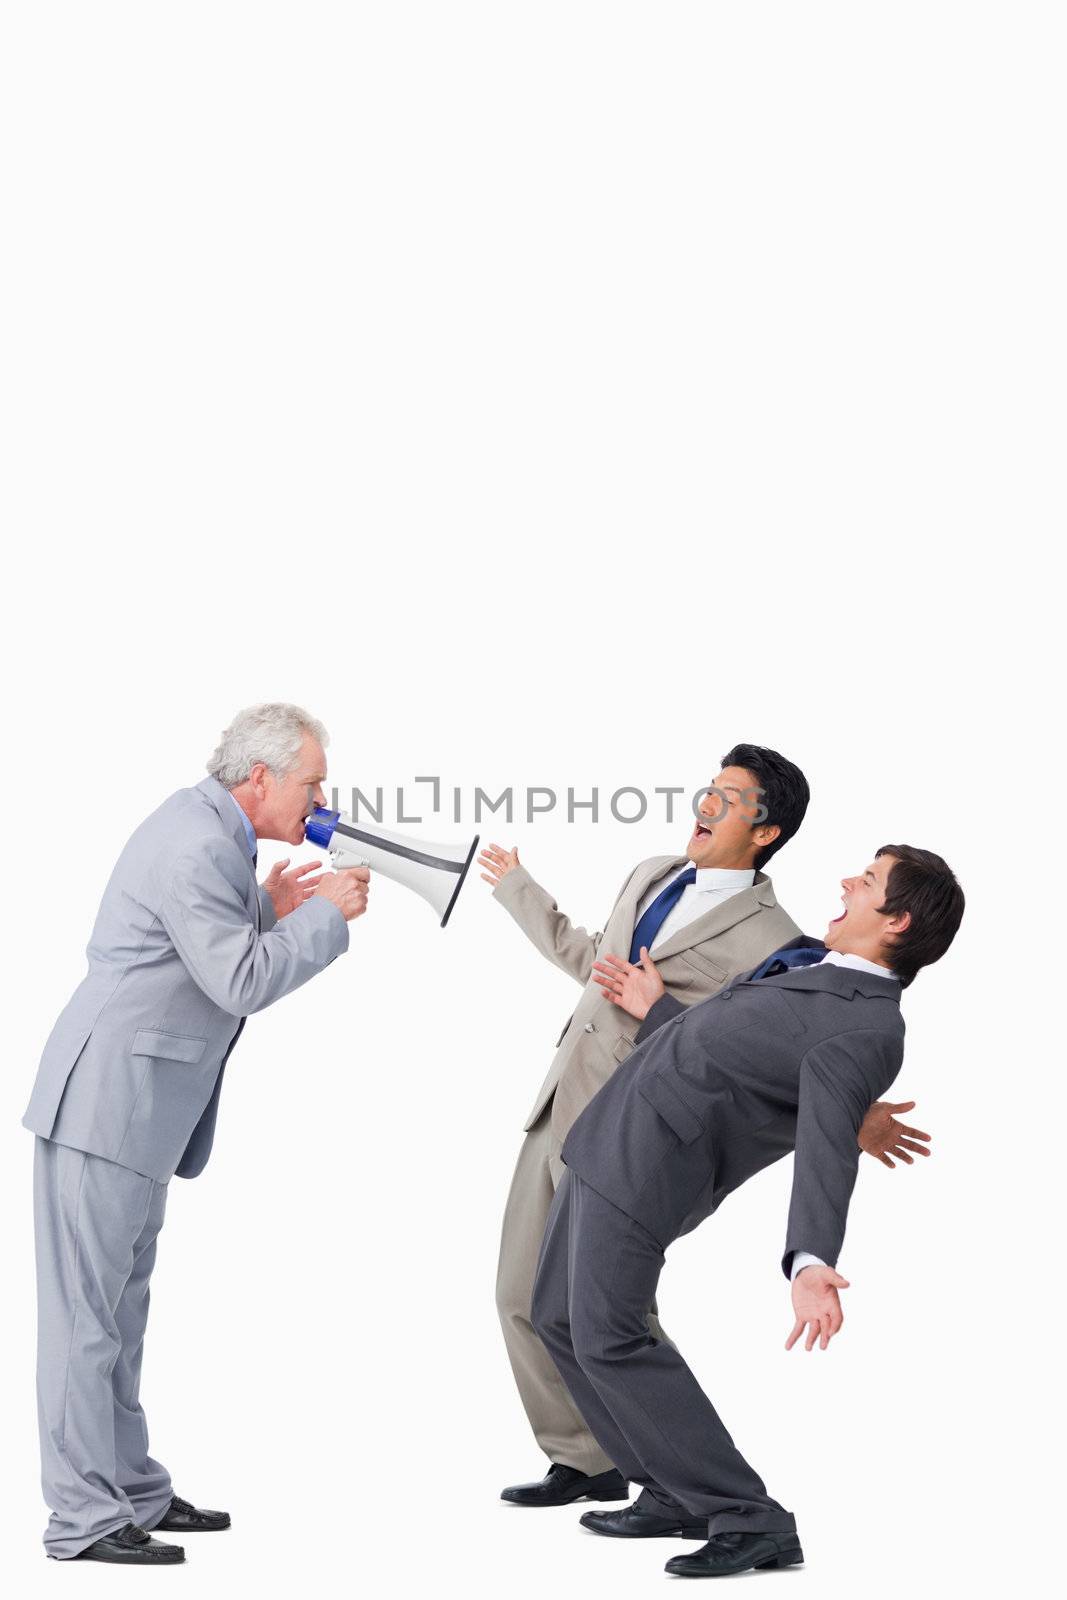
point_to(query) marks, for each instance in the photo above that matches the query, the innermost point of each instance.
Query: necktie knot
(658, 912)
(785, 960)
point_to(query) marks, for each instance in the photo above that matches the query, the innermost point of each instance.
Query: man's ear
(766, 834)
(257, 777)
(898, 924)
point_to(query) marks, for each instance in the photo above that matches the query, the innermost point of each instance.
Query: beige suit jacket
(694, 963)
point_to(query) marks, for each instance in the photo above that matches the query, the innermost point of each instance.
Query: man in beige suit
(706, 916)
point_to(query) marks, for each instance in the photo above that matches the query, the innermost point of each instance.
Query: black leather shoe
(562, 1485)
(728, 1553)
(133, 1546)
(634, 1522)
(181, 1517)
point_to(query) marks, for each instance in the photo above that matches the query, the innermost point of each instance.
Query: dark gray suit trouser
(596, 1279)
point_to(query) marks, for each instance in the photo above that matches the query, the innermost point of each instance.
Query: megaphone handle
(343, 859)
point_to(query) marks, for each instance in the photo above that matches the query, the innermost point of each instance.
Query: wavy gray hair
(272, 733)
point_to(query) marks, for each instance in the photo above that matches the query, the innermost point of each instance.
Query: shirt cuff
(802, 1259)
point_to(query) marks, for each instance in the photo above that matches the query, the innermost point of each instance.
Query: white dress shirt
(836, 958)
(713, 885)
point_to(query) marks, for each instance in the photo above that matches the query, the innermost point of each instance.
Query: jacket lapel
(620, 928)
(828, 976)
(727, 914)
(219, 797)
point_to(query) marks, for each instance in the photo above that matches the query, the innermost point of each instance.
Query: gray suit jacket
(185, 946)
(716, 1092)
(694, 962)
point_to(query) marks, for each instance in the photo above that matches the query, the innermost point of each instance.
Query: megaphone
(436, 871)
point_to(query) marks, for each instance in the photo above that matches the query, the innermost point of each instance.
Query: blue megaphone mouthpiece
(318, 829)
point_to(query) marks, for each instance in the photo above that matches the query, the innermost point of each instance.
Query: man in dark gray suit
(787, 1056)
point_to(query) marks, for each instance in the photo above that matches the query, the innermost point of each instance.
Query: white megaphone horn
(436, 871)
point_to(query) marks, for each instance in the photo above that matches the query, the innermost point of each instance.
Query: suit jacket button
(590, 1027)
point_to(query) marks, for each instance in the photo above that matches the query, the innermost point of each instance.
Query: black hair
(926, 886)
(784, 792)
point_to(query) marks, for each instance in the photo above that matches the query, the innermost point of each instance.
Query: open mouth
(702, 831)
(843, 915)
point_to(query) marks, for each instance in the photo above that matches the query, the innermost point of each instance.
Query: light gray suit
(185, 946)
(694, 963)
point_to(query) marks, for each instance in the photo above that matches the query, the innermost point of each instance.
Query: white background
(545, 394)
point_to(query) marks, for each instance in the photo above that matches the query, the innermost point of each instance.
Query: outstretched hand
(883, 1137)
(817, 1306)
(290, 889)
(635, 989)
(497, 862)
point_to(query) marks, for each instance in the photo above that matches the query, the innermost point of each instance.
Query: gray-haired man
(185, 946)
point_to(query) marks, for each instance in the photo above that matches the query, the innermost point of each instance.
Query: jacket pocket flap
(674, 1111)
(172, 1046)
(704, 968)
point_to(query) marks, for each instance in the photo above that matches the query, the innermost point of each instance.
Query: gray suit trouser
(95, 1225)
(596, 1278)
(558, 1424)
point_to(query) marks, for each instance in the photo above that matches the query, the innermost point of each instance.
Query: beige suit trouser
(557, 1423)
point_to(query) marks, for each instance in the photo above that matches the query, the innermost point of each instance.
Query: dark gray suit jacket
(717, 1091)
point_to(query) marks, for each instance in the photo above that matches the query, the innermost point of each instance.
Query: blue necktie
(657, 913)
(782, 960)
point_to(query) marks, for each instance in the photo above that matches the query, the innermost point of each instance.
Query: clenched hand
(347, 890)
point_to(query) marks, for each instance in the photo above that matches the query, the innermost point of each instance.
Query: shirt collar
(250, 832)
(732, 878)
(860, 963)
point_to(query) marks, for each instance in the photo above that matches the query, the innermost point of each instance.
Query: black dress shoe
(133, 1546)
(562, 1485)
(634, 1522)
(181, 1517)
(728, 1553)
